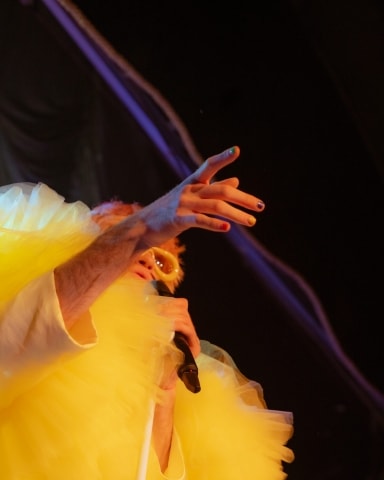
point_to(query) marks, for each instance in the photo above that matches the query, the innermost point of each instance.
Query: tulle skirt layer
(227, 432)
(85, 417)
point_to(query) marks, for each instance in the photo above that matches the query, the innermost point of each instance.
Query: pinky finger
(200, 220)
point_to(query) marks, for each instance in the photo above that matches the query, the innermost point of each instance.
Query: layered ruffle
(86, 417)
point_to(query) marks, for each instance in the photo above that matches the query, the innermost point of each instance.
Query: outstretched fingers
(226, 192)
(206, 172)
(202, 202)
(214, 214)
(209, 204)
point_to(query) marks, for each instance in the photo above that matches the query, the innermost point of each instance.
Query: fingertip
(213, 164)
(225, 227)
(235, 182)
(260, 205)
(232, 182)
(233, 151)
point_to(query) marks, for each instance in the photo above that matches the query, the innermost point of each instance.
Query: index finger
(212, 165)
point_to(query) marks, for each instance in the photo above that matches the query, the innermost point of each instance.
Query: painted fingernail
(231, 150)
(224, 227)
(260, 205)
(251, 221)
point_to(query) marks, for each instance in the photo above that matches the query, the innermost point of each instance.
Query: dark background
(299, 87)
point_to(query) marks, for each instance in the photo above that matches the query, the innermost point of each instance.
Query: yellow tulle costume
(83, 415)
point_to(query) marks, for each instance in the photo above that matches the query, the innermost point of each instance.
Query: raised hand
(197, 202)
(201, 202)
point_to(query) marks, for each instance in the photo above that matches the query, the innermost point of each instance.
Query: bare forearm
(83, 278)
(194, 203)
(163, 427)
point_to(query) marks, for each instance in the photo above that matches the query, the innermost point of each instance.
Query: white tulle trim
(30, 207)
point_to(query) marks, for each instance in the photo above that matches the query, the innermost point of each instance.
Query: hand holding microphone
(187, 371)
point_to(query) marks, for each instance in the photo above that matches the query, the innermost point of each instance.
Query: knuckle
(220, 207)
(224, 189)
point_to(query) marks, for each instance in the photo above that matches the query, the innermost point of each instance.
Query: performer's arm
(175, 309)
(197, 202)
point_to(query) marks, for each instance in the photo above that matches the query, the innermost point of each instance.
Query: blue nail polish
(260, 205)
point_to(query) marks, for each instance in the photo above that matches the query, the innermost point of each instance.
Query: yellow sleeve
(32, 328)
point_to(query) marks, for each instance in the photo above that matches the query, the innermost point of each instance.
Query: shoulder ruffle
(38, 231)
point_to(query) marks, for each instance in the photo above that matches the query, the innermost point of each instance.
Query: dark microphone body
(187, 371)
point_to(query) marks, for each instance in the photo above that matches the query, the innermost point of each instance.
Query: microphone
(187, 371)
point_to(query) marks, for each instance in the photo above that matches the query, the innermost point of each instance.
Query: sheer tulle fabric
(85, 417)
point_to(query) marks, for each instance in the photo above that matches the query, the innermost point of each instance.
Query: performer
(88, 366)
